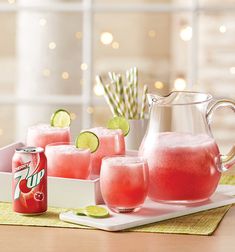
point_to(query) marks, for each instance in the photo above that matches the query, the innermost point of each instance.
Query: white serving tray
(62, 192)
(153, 212)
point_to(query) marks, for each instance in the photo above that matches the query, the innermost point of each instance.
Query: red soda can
(29, 182)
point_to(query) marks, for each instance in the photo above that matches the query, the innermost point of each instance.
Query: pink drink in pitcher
(42, 134)
(111, 142)
(66, 161)
(124, 182)
(182, 167)
(184, 161)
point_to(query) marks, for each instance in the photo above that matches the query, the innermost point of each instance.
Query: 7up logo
(25, 181)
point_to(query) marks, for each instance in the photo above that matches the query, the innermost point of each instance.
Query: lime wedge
(119, 123)
(80, 211)
(96, 211)
(61, 118)
(87, 140)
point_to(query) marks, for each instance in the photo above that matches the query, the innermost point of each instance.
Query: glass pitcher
(184, 161)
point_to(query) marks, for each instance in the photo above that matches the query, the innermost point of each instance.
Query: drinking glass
(41, 135)
(111, 142)
(124, 182)
(66, 161)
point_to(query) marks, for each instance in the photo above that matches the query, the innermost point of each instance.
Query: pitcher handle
(228, 159)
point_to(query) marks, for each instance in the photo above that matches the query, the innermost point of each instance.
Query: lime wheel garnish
(60, 118)
(87, 140)
(118, 122)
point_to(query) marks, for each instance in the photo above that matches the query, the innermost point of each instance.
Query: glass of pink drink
(43, 134)
(124, 183)
(111, 142)
(66, 161)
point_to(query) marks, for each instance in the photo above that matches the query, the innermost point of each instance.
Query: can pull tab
(30, 149)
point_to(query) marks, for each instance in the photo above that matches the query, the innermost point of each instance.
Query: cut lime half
(61, 118)
(80, 211)
(87, 140)
(119, 123)
(96, 211)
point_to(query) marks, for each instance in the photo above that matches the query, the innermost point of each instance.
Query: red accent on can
(29, 181)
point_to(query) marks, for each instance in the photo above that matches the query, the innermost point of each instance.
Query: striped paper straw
(131, 101)
(120, 92)
(131, 76)
(106, 95)
(127, 101)
(110, 76)
(99, 80)
(144, 100)
(114, 80)
(117, 87)
(114, 76)
(115, 100)
(118, 95)
(110, 101)
(119, 104)
(135, 89)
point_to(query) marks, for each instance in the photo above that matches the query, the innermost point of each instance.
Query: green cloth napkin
(202, 223)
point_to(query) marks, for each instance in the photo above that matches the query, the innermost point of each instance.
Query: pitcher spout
(152, 98)
(156, 98)
(179, 98)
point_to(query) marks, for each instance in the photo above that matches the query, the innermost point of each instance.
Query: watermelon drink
(124, 182)
(66, 161)
(111, 142)
(43, 134)
(183, 168)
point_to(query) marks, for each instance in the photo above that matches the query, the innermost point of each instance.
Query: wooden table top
(22, 238)
(44, 239)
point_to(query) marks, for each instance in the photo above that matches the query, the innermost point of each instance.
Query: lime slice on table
(61, 118)
(80, 211)
(96, 211)
(87, 140)
(119, 123)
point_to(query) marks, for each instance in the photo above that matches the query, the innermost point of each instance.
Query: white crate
(62, 192)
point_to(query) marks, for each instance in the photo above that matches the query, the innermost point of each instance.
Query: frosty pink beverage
(182, 167)
(67, 161)
(111, 142)
(42, 134)
(124, 182)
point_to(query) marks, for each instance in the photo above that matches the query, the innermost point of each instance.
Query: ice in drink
(42, 134)
(182, 167)
(67, 161)
(111, 142)
(124, 182)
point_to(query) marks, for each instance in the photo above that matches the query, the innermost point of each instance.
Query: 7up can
(29, 181)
